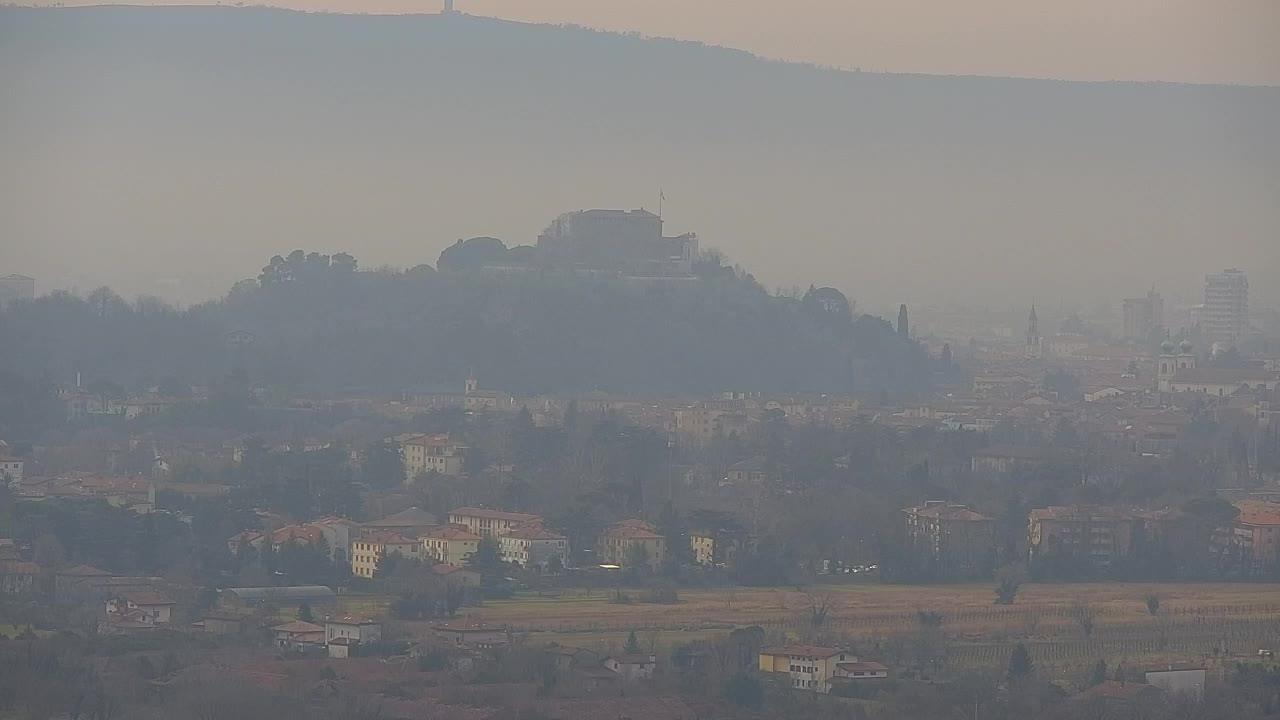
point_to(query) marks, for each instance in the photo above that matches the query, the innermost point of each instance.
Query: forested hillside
(319, 326)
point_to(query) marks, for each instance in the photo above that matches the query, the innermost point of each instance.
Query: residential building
(1255, 535)
(632, 668)
(626, 542)
(367, 550)
(1096, 535)
(752, 471)
(1119, 700)
(16, 287)
(341, 648)
(1010, 458)
(148, 607)
(10, 470)
(296, 634)
(954, 540)
(245, 540)
(1225, 317)
(1219, 382)
(410, 523)
(352, 628)
(296, 535)
(1179, 681)
(716, 547)
(224, 623)
(450, 544)
(431, 453)
(136, 494)
(809, 667)
(474, 635)
(337, 534)
(533, 546)
(858, 671)
(1143, 316)
(491, 523)
(457, 576)
(17, 577)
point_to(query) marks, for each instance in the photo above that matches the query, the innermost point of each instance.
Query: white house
(147, 607)
(351, 628)
(1181, 680)
(632, 668)
(11, 469)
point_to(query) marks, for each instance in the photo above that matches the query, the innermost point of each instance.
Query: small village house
(807, 667)
(450, 545)
(369, 549)
(297, 634)
(491, 523)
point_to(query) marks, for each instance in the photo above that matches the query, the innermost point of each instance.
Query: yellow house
(620, 544)
(367, 550)
(491, 523)
(427, 453)
(450, 545)
(703, 545)
(808, 667)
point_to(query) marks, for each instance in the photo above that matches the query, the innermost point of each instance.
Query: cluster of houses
(521, 538)
(963, 540)
(824, 669)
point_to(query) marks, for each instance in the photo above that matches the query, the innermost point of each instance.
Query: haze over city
(660, 360)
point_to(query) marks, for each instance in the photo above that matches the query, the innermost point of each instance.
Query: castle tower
(472, 384)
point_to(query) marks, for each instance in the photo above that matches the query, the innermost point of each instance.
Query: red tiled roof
(801, 651)
(947, 512)
(350, 620)
(1259, 513)
(386, 538)
(862, 667)
(1115, 690)
(298, 626)
(533, 532)
(292, 533)
(492, 514)
(143, 597)
(449, 532)
(84, 571)
(18, 567)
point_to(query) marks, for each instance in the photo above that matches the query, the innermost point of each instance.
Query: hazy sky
(1207, 41)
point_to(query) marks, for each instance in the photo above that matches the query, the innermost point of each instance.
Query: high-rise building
(1143, 316)
(1225, 318)
(16, 287)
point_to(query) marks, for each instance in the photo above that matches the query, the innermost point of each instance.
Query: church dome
(1167, 347)
(1185, 346)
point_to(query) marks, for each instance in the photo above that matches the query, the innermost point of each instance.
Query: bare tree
(1083, 615)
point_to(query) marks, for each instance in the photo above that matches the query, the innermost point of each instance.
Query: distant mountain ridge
(197, 137)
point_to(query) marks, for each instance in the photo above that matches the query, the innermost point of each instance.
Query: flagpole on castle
(661, 198)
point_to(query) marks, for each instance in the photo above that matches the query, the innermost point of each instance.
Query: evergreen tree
(1099, 674)
(1020, 665)
(744, 690)
(305, 614)
(903, 328)
(633, 645)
